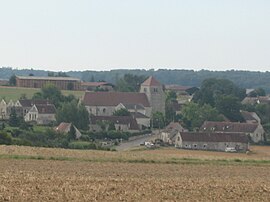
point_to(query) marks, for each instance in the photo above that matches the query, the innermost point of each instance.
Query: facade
(41, 114)
(65, 128)
(253, 130)
(63, 83)
(121, 123)
(155, 94)
(106, 103)
(3, 109)
(211, 141)
(168, 134)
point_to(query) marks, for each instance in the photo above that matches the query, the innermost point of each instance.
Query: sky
(63, 35)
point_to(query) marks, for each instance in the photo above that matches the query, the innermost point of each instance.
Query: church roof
(114, 99)
(151, 81)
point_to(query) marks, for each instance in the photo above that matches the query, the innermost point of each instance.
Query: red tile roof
(114, 98)
(63, 127)
(229, 127)
(214, 137)
(151, 81)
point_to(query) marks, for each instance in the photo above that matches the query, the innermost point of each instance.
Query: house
(250, 117)
(181, 90)
(65, 128)
(211, 141)
(253, 130)
(27, 104)
(63, 83)
(97, 86)
(167, 135)
(256, 100)
(41, 114)
(3, 109)
(142, 120)
(14, 106)
(120, 123)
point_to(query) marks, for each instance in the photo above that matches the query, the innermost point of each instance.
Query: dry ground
(77, 179)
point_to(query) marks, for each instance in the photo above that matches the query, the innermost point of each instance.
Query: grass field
(44, 174)
(15, 93)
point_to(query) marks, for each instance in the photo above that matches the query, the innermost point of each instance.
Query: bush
(5, 138)
(81, 145)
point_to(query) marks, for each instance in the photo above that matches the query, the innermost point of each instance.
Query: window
(145, 90)
(204, 146)
(178, 138)
(155, 90)
(104, 110)
(195, 145)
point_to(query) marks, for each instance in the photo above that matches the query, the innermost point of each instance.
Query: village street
(136, 142)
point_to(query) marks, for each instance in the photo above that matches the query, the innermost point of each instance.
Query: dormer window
(155, 90)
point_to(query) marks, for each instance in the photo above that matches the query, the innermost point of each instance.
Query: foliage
(72, 133)
(194, 115)
(158, 120)
(5, 138)
(212, 88)
(229, 106)
(12, 80)
(263, 111)
(82, 145)
(170, 113)
(70, 112)
(121, 112)
(13, 119)
(130, 83)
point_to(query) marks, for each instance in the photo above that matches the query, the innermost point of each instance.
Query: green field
(15, 93)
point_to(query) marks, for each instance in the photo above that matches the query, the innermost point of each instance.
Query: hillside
(244, 79)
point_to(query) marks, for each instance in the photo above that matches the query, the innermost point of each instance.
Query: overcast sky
(112, 34)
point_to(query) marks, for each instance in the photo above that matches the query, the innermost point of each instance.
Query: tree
(51, 92)
(12, 80)
(229, 106)
(70, 86)
(72, 113)
(194, 115)
(130, 83)
(5, 138)
(212, 88)
(158, 120)
(13, 121)
(121, 112)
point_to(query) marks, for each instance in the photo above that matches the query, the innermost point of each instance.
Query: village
(155, 116)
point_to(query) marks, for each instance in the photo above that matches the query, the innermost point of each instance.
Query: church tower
(155, 94)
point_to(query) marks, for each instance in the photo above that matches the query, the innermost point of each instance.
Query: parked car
(230, 149)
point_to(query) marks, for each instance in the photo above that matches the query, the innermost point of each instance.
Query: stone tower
(155, 94)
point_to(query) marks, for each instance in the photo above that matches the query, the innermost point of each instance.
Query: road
(135, 143)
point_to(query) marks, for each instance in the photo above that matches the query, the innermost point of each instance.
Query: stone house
(250, 117)
(253, 130)
(65, 128)
(142, 120)
(167, 135)
(121, 123)
(14, 106)
(27, 104)
(211, 141)
(41, 114)
(3, 110)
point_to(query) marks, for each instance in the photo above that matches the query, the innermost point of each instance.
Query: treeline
(243, 79)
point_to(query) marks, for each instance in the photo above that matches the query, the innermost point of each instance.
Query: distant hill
(244, 79)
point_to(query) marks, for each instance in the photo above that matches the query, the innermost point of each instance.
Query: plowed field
(77, 179)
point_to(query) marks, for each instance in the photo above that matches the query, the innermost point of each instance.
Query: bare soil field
(76, 179)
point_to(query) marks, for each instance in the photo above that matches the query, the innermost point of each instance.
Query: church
(142, 105)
